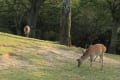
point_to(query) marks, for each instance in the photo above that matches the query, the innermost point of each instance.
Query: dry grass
(31, 59)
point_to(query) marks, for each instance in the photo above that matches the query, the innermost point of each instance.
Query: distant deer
(27, 30)
(93, 51)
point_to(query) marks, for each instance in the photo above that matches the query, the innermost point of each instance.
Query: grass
(113, 56)
(44, 64)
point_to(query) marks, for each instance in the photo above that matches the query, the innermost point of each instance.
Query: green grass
(45, 64)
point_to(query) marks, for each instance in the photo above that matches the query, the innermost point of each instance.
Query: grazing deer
(93, 51)
(27, 30)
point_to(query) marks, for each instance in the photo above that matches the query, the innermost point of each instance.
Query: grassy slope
(44, 60)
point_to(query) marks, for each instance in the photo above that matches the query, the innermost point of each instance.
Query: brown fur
(27, 30)
(93, 51)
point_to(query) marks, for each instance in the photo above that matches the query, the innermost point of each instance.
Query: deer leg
(27, 35)
(101, 58)
(95, 58)
(78, 60)
(91, 60)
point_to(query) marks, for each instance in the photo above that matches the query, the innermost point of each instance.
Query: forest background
(92, 21)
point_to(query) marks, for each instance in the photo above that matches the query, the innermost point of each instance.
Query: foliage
(91, 19)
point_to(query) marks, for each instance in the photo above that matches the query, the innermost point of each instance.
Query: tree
(114, 7)
(65, 25)
(16, 9)
(89, 20)
(33, 14)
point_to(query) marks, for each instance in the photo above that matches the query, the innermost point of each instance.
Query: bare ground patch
(53, 57)
(111, 61)
(107, 60)
(11, 59)
(53, 54)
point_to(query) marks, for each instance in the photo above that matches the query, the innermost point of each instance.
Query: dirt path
(69, 54)
(52, 54)
(111, 61)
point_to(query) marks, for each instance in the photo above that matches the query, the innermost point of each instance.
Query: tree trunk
(113, 43)
(17, 23)
(32, 17)
(32, 21)
(65, 25)
(114, 7)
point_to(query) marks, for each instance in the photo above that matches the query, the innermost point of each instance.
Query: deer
(92, 52)
(26, 31)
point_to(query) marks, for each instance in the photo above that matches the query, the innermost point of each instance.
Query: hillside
(31, 59)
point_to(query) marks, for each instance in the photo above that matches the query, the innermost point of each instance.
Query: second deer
(27, 30)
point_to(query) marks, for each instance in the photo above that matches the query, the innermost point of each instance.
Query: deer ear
(83, 51)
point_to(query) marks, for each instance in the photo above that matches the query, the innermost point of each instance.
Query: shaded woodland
(71, 22)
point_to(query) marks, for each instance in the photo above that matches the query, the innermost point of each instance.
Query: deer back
(97, 49)
(27, 28)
